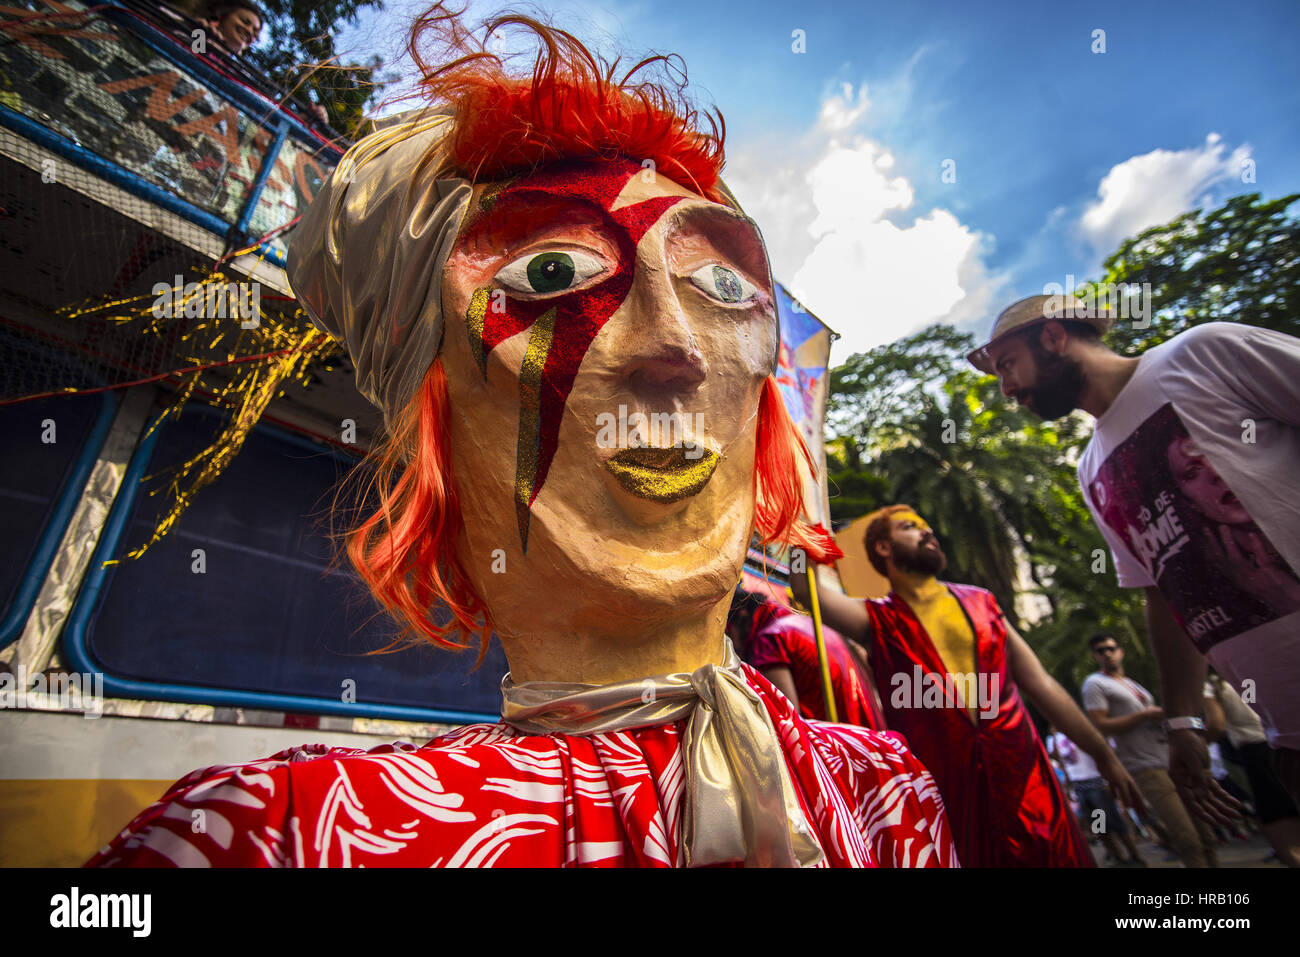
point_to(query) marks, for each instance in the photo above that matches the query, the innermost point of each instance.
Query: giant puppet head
(570, 327)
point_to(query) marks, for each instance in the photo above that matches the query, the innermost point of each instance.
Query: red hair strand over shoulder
(406, 551)
(779, 506)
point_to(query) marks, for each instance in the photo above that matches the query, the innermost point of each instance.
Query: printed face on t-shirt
(1165, 500)
(1201, 484)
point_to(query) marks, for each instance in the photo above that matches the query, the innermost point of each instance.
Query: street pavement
(1254, 852)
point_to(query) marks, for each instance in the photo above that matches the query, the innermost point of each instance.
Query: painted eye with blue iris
(549, 272)
(723, 283)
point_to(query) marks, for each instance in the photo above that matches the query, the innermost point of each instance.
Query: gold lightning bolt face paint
(530, 384)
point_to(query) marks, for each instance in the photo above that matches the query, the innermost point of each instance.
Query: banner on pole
(802, 378)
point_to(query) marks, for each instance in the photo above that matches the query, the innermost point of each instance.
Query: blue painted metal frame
(125, 179)
(259, 111)
(77, 654)
(115, 174)
(52, 534)
(263, 174)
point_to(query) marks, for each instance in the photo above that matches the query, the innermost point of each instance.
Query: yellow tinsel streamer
(243, 369)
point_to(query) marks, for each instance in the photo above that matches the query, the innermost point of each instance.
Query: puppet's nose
(666, 369)
(664, 359)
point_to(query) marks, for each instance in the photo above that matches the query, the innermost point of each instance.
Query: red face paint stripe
(580, 315)
(586, 315)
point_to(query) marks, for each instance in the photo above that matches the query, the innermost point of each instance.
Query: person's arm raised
(846, 615)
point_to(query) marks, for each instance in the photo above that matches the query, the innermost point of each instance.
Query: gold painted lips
(663, 475)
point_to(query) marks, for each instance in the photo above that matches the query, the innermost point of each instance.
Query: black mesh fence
(127, 164)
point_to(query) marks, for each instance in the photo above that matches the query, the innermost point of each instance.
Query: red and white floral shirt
(487, 795)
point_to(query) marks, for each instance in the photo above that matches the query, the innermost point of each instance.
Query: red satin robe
(487, 795)
(788, 641)
(1005, 806)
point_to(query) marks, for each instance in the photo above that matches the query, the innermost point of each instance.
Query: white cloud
(841, 112)
(851, 185)
(1156, 187)
(828, 209)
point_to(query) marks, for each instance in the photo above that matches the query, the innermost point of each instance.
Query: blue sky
(1057, 151)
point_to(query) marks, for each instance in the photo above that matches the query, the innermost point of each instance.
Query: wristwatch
(1185, 724)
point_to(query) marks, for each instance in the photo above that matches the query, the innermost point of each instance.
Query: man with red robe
(950, 670)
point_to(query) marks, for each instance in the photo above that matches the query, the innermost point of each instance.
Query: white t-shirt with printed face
(1193, 477)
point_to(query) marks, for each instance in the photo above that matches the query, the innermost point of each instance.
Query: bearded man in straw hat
(1190, 475)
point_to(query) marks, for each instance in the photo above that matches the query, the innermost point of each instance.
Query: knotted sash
(741, 805)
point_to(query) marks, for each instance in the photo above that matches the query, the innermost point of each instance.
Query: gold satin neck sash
(741, 805)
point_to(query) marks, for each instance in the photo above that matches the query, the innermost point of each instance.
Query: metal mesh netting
(61, 248)
(128, 171)
(102, 87)
(129, 161)
(91, 300)
(88, 94)
(91, 286)
(136, 94)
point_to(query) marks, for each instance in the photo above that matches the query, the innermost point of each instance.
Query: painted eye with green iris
(723, 283)
(550, 272)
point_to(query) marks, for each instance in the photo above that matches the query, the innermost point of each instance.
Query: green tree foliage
(853, 490)
(1237, 263)
(912, 421)
(298, 53)
(875, 393)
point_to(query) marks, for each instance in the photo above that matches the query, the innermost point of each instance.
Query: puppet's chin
(644, 512)
(616, 575)
(662, 553)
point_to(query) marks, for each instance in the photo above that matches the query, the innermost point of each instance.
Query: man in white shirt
(1123, 709)
(1190, 475)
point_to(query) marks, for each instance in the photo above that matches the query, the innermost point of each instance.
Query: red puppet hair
(779, 506)
(406, 551)
(574, 104)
